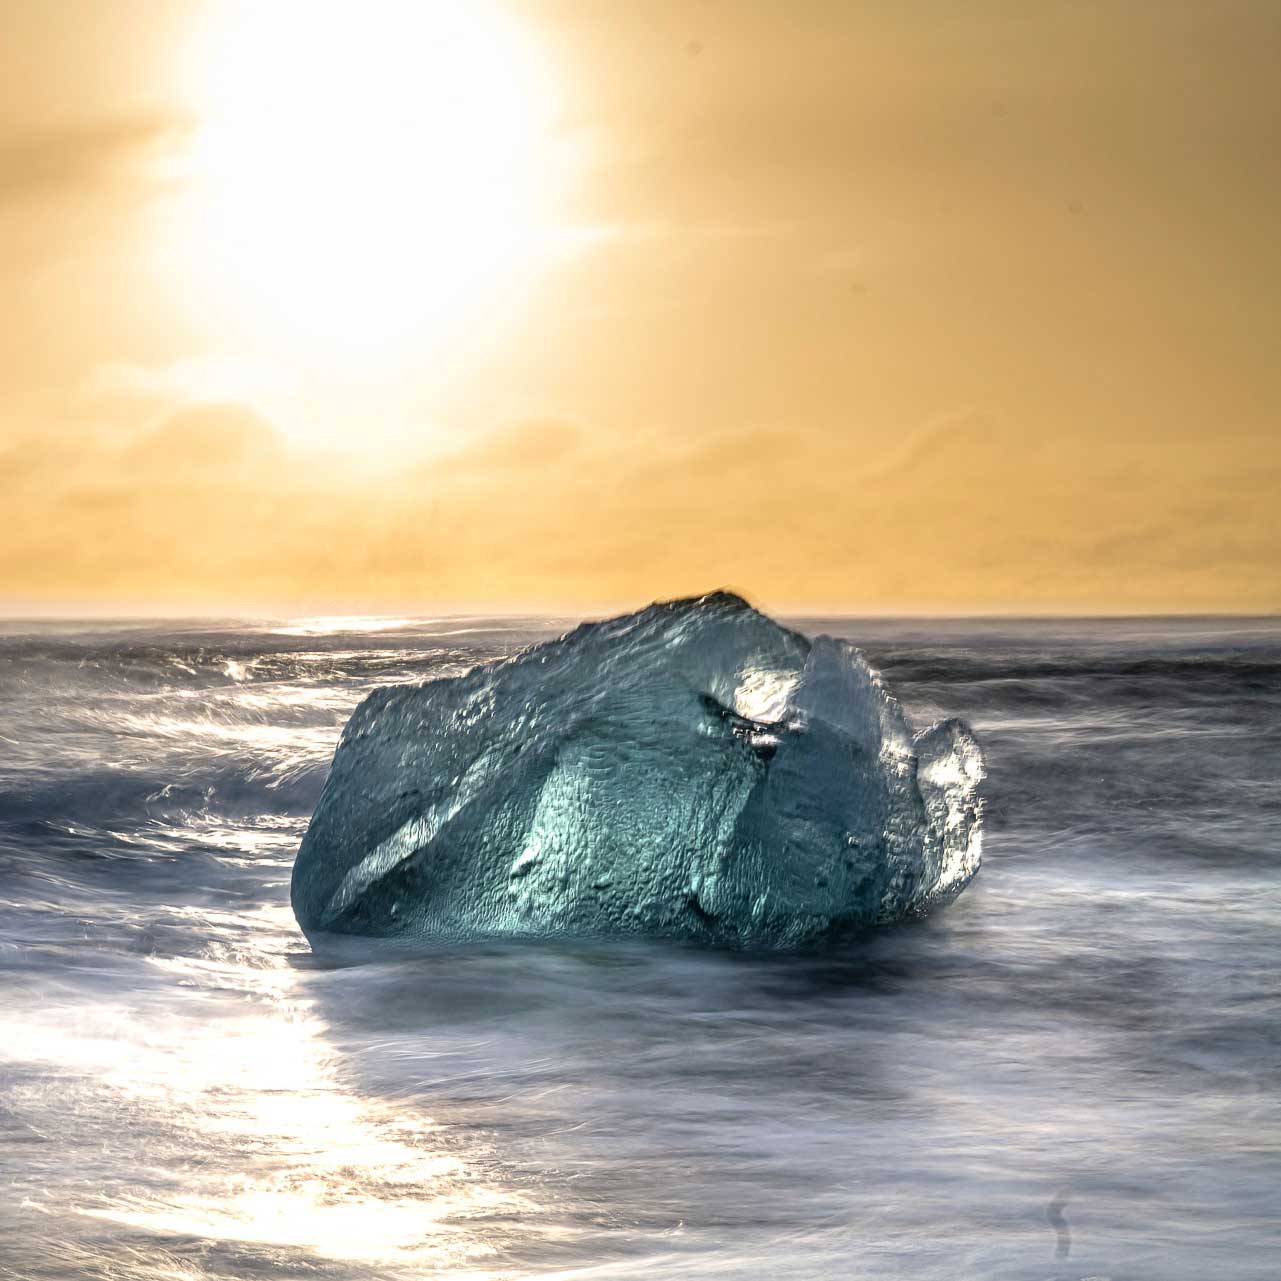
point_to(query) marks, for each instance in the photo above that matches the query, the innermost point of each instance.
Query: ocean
(1073, 1071)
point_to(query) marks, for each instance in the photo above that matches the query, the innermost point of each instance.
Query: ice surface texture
(691, 771)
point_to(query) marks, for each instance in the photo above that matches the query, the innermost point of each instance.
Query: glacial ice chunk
(693, 771)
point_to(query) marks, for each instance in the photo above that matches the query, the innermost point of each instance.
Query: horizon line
(390, 619)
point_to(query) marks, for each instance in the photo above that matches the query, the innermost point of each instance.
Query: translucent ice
(692, 771)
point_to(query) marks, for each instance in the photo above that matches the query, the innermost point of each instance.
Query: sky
(911, 307)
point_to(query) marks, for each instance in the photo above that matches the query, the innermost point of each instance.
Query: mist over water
(1072, 1072)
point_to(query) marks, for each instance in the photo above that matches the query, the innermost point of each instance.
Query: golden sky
(867, 307)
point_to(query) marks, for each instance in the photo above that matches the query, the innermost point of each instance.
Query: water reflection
(330, 624)
(236, 1092)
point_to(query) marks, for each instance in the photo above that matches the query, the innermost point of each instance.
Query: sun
(364, 176)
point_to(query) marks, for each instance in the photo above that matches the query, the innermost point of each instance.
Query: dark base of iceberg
(692, 771)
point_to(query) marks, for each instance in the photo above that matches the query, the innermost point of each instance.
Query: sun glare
(365, 175)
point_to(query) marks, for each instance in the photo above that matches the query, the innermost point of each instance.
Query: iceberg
(691, 771)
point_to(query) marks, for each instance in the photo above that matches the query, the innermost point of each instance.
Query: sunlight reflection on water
(281, 1152)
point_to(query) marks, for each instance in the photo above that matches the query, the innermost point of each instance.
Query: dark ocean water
(1072, 1072)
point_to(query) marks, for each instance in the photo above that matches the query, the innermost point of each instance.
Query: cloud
(208, 436)
(211, 511)
(67, 159)
(192, 380)
(533, 443)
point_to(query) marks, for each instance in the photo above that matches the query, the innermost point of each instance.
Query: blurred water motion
(1072, 1072)
(305, 1163)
